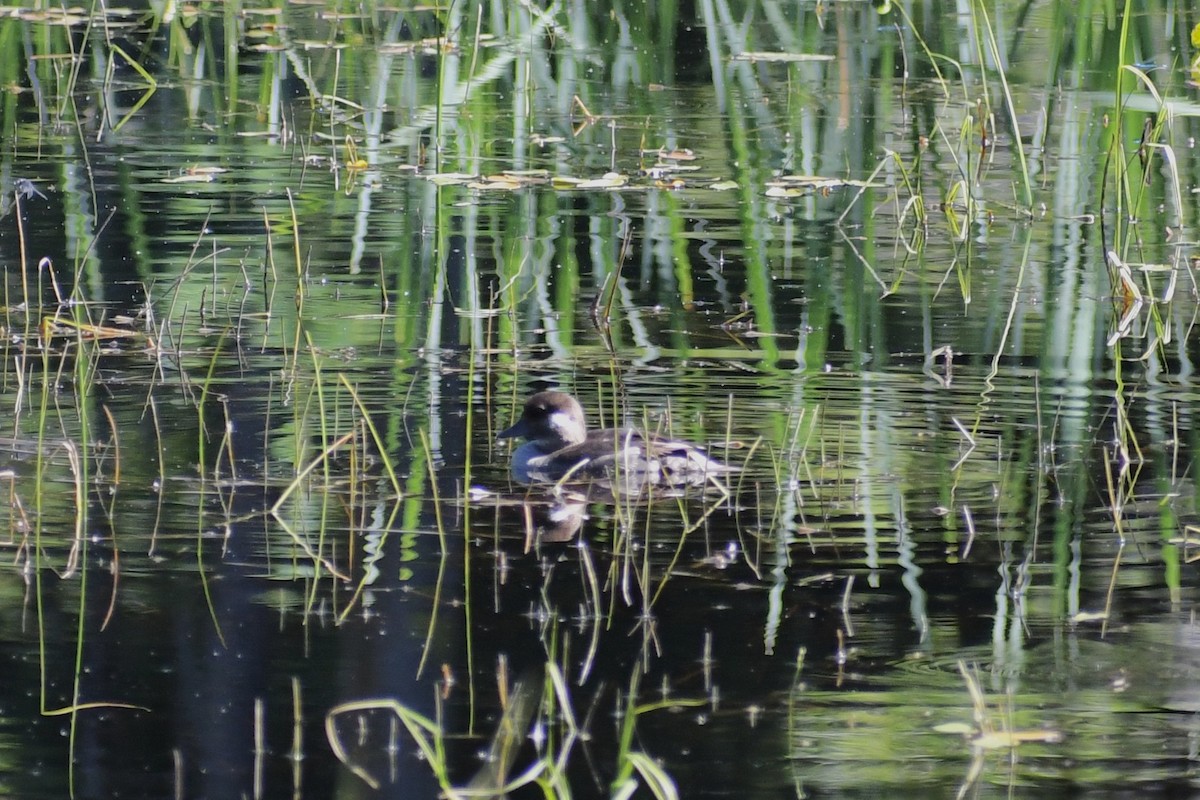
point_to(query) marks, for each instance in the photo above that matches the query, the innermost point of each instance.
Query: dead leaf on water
(196, 175)
(995, 740)
(665, 172)
(450, 178)
(764, 55)
(314, 44)
(74, 15)
(428, 47)
(56, 17)
(610, 180)
(799, 185)
(682, 154)
(821, 182)
(498, 182)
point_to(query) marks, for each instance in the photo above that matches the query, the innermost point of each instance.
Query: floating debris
(763, 55)
(451, 178)
(610, 180)
(196, 174)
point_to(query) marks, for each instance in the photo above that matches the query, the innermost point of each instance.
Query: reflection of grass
(545, 702)
(530, 242)
(77, 358)
(425, 732)
(986, 33)
(989, 735)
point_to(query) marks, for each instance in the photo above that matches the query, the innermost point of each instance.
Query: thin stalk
(441, 529)
(201, 450)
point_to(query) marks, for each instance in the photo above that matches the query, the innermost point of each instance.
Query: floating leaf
(501, 182)
(661, 172)
(751, 55)
(528, 174)
(189, 179)
(610, 180)
(450, 178)
(196, 174)
(672, 155)
(430, 47)
(797, 185)
(818, 182)
(994, 740)
(724, 186)
(511, 180)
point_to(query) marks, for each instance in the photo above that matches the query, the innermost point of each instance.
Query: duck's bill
(515, 432)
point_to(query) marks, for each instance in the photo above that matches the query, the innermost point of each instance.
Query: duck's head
(551, 420)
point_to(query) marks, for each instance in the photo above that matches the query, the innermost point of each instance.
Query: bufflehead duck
(559, 445)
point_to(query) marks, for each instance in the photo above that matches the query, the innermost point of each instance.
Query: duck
(558, 446)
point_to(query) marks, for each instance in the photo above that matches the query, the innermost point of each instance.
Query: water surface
(268, 303)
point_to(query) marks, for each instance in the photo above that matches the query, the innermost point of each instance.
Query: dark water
(252, 391)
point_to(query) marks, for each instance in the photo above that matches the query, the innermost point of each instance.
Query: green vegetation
(926, 276)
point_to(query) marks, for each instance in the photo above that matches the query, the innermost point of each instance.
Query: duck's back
(626, 454)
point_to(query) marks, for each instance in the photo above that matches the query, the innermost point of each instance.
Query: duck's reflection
(545, 516)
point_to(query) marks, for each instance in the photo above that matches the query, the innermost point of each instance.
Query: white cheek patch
(561, 424)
